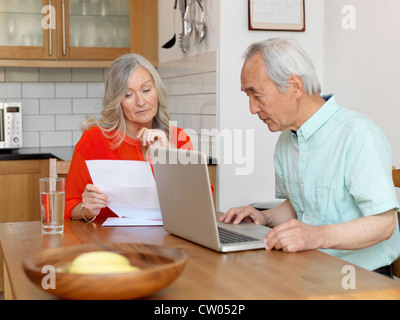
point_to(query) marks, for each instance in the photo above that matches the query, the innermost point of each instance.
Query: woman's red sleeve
(78, 177)
(181, 139)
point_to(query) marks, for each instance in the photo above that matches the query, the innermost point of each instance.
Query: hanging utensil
(182, 6)
(195, 22)
(183, 38)
(187, 28)
(171, 42)
(203, 20)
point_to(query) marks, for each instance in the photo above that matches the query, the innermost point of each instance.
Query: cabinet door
(51, 32)
(25, 30)
(19, 189)
(93, 29)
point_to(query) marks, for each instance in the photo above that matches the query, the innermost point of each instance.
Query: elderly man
(332, 165)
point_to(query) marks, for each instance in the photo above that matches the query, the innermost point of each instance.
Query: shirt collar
(319, 118)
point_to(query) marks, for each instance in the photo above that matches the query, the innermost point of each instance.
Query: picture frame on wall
(278, 15)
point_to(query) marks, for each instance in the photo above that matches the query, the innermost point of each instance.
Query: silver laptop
(187, 206)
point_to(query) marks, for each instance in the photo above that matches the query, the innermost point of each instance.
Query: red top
(94, 146)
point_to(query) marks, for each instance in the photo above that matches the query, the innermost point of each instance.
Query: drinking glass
(52, 201)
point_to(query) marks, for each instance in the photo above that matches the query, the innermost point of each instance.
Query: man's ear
(296, 84)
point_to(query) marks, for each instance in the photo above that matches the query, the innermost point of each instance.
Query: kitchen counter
(63, 153)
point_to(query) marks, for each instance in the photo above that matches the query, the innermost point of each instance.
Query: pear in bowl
(100, 262)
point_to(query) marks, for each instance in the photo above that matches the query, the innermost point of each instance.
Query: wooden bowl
(159, 265)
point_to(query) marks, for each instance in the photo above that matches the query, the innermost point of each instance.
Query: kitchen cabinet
(20, 172)
(76, 33)
(19, 189)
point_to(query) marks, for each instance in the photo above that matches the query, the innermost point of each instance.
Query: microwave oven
(10, 125)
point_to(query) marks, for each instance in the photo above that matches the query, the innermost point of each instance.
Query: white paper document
(130, 186)
(131, 222)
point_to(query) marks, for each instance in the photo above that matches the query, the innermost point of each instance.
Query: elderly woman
(134, 117)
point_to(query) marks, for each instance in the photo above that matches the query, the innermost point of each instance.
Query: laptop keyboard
(228, 236)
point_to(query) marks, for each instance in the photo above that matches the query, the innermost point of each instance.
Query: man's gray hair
(283, 58)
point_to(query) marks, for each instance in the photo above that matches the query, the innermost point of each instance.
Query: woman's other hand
(148, 137)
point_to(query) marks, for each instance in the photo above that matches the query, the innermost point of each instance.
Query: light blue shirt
(336, 168)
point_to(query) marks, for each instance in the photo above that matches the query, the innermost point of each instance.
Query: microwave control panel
(10, 125)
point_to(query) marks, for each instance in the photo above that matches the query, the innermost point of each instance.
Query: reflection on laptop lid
(187, 206)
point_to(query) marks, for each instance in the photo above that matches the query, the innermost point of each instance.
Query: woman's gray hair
(112, 121)
(283, 58)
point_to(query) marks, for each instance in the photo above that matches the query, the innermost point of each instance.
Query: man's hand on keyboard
(239, 214)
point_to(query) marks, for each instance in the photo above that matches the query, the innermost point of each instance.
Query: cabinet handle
(63, 28)
(50, 31)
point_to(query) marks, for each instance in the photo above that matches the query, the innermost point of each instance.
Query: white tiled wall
(192, 101)
(54, 102)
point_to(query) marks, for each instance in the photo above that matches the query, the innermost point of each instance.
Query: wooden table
(256, 274)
